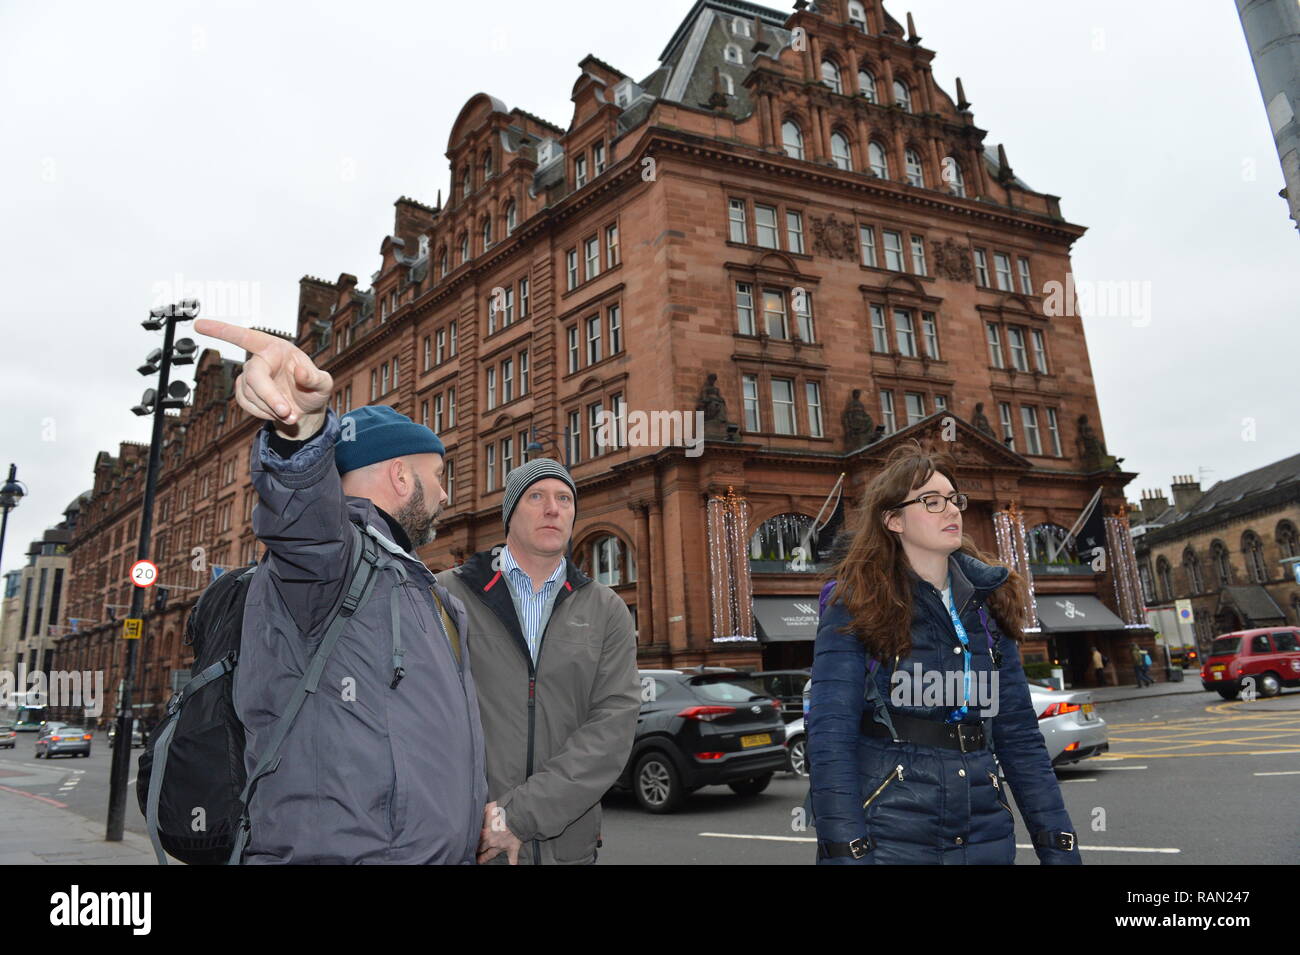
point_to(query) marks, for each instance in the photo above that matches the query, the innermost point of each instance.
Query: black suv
(701, 728)
(784, 684)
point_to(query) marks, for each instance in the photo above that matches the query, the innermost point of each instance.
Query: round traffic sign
(144, 573)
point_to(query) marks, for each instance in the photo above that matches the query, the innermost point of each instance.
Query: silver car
(1068, 720)
(57, 739)
(1070, 724)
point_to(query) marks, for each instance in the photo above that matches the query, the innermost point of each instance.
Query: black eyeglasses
(935, 502)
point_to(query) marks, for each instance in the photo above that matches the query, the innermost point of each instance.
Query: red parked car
(1271, 656)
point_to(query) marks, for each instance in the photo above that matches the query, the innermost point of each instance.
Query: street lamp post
(535, 446)
(168, 395)
(13, 491)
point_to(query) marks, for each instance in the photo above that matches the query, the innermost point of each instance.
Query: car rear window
(723, 691)
(1285, 642)
(1223, 646)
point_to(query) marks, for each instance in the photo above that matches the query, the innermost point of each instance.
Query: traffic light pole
(121, 765)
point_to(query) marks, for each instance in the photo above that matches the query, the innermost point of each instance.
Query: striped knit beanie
(525, 476)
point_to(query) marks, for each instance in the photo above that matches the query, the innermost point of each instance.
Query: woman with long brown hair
(919, 698)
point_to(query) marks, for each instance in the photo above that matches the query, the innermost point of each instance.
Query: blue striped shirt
(532, 608)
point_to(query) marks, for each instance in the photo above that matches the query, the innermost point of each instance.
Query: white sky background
(256, 143)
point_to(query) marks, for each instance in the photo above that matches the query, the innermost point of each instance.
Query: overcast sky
(147, 145)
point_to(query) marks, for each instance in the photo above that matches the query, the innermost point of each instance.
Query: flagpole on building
(1083, 516)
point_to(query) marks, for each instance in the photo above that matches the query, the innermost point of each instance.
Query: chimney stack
(1186, 492)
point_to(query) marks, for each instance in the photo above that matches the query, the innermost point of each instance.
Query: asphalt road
(1190, 780)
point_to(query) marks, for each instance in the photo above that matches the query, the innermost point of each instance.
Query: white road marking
(1289, 772)
(741, 835)
(1086, 779)
(1110, 768)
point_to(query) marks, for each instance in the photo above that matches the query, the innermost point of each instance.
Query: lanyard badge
(958, 714)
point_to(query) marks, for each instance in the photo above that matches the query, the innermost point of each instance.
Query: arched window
(878, 159)
(487, 165)
(1287, 543)
(1165, 578)
(512, 217)
(1192, 567)
(485, 231)
(1253, 549)
(464, 183)
(1222, 567)
(792, 137)
(778, 540)
(740, 26)
(1148, 585)
(609, 561)
(728, 84)
(902, 95)
(831, 75)
(731, 54)
(442, 263)
(1050, 544)
(867, 85)
(840, 151)
(915, 174)
(953, 176)
(464, 248)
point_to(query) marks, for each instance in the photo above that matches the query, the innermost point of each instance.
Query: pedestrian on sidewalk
(385, 763)
(1139, 667)
(555, 661)
(1099, 664)
(918, 780)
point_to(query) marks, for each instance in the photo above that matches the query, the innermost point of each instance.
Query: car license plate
(1218, 674)
(1219, 667)
(1088, 713)
(758, 739)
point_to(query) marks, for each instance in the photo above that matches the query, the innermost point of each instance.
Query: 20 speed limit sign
(144, 573)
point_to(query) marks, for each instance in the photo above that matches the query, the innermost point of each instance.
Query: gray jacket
(369, 773)
(558, 733)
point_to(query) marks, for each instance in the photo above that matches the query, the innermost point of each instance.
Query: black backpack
(192, 786)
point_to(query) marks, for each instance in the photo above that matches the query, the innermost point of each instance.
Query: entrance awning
(1076, 613)
(781, 619)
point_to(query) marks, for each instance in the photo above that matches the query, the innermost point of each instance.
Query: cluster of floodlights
(182, 353)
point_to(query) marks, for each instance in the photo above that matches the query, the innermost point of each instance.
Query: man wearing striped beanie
(555, 665)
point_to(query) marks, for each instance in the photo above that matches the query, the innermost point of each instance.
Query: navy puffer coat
(927, 804)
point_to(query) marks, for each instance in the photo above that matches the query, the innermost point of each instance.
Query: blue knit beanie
(377, 433)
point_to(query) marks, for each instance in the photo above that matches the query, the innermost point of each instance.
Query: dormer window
(545, 152)
(731, 53)
(424, 246)
(740, 26)
(623, 94)
(728, 84)
(857, 15)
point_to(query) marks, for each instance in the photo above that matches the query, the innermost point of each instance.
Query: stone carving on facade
(952, 261)
(981, 421)
(858, 426)
(834, 237)
(714, 406)
(1092, 451)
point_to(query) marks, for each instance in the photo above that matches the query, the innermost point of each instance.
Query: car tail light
(55, 739)
(87, 736)
(1072, 746)
(707, 756)
(1059, 709)
(706, 714)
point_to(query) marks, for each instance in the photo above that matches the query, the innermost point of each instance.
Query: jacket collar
(969, 577)
(477, 572)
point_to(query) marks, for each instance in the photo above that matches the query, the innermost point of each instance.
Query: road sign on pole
(132, 627)
(144, 573)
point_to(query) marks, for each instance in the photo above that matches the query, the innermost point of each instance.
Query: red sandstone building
(789, 203)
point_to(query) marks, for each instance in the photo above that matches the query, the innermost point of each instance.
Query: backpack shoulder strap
(365, 568)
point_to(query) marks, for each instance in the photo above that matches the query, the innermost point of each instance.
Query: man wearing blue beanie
(385, 761)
